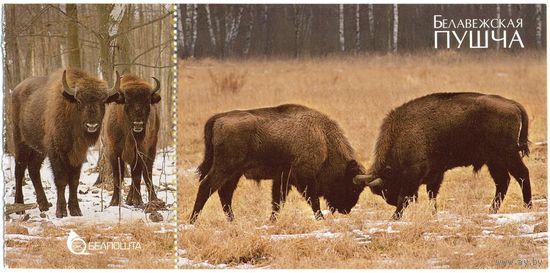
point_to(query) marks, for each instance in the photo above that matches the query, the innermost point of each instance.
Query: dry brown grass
(48, 248)
(357, 93)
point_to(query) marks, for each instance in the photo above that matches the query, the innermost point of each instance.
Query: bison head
(137, 96)
(90, 96)
(344, 196)
(380, 184)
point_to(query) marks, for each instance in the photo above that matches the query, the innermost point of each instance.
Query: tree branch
(146, 65)
(76, 21)
(140, 25)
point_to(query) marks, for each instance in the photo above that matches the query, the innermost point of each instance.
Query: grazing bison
(59, 117)
(130, 134)
(425, 137)
(290, 144)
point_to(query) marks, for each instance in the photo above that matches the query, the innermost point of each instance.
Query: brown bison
(425, 137)
(290, 144)
(59, 117)
(130, 137)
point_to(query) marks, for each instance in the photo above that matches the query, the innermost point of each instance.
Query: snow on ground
(93, 201)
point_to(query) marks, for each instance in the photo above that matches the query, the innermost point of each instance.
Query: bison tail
(523, 141)
(206, 164)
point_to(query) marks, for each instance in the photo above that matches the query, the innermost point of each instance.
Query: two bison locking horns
(293, 145)
(60, 116)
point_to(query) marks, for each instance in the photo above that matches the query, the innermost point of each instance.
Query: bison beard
(425, 137)
(289, 144)
(57, 117)
(130, 137)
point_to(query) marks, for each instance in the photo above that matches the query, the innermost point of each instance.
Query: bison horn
(367, 180)
(66, 87)
(157, 86)
(116, 88)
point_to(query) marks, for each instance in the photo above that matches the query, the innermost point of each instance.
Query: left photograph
(89, 152)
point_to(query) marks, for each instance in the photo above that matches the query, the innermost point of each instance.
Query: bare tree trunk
(248, 37)
(232, 25)
(498, 29)
(73, 44)
(297, 30)
(265, 29)
(538, 35)
(210, 26)
(357, 28)
(194, 30)
(180, 29)
(105, 67)
(123, 42)
(395, 27)
(341, 28)
(509, 10)
(371, 24)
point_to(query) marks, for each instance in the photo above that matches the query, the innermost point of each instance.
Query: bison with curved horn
(290, 144)
(131, 134)
(57, 116)
(427, 136)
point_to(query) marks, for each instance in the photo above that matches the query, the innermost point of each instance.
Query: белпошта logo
(75, 244)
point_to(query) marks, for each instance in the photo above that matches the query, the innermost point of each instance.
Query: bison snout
(138, 126)
(92, 127)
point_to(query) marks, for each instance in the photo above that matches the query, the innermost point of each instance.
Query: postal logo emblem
(75, 244)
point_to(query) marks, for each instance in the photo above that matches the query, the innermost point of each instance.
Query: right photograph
(362, 136)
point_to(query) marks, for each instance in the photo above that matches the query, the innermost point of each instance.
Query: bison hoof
(134, 201)
(319, 216)
(396, 216)
(44, 206)
(60, 213)
(114, 203)
(154, 205)
(273, 218)
(528, 205)
(75, 211)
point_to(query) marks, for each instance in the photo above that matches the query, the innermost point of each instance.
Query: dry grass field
(44, 245)
(358, 92)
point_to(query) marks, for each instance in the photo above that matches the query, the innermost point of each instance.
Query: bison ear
(117, 98)
(155, 98)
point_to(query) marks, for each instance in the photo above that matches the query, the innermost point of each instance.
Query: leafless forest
(317, 30)
(96, 38)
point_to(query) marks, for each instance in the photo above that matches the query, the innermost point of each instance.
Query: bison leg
(502, 180)
(134, 194)
(148, 175)
(433, 183)
(35, 163)
(520, 172)
(406, 196)
(311, 194)
(211, 183)
(74, 207)
(117, 166)
(279, 192)
(226, 196)
(21, 163)
(61, 180)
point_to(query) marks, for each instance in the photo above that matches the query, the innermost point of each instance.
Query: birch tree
(538, 19)
(210, 26)
(341, 28)
(370, 15)
(395, 32)
(357, 28)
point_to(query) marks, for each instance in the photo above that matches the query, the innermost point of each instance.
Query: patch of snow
(319, 234)
(90, 197)
(512, 217)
